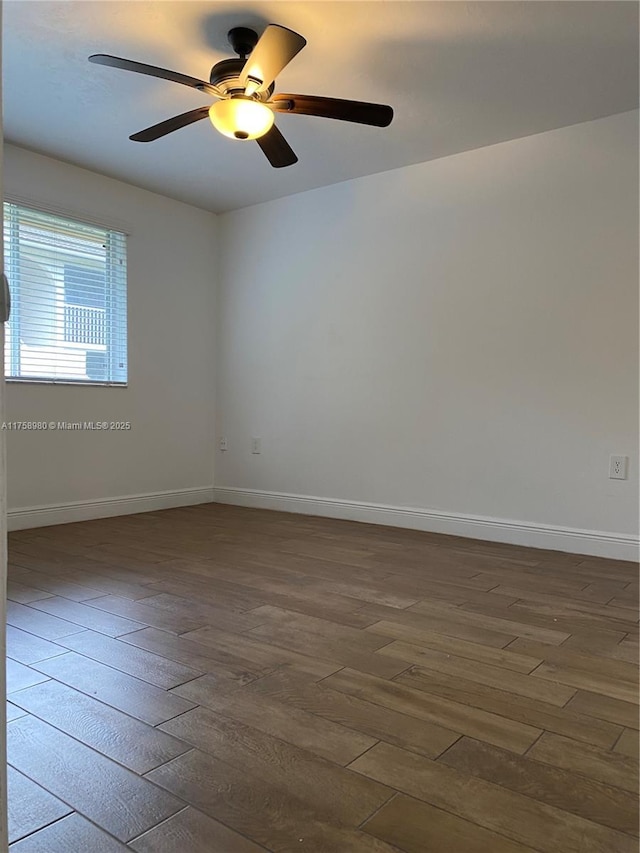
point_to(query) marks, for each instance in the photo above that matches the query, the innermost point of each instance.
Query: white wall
(459, 335)
(172, 257)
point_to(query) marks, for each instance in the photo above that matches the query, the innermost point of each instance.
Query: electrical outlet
(618, 467)
(255, 445)
(224, 444)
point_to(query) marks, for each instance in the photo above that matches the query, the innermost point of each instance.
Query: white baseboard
(617, 546)
(44, 516)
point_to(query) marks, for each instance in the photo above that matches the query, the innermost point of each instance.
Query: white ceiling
(459, 76)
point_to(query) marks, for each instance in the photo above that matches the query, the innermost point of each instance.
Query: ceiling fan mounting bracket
(242, 40)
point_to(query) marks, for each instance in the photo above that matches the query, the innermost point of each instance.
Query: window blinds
(68, 283)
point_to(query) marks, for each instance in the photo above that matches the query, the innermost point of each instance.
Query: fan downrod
(242, 40)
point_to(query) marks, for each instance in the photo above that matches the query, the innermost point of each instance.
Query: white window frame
(116, 313)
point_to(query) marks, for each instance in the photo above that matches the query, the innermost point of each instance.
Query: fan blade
(276, 149)
(149, 134)
(153, 71)
(360, 112)
(275, 49)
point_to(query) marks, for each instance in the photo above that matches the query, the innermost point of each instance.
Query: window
(68, 284)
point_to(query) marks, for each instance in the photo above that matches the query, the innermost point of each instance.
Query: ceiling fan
(244, 87)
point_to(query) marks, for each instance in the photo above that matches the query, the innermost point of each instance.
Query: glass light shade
(241, 118)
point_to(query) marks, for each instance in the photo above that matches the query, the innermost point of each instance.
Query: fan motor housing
(225, 75)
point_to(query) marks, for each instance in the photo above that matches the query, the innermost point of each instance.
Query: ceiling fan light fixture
(241, 118)
(245, 86)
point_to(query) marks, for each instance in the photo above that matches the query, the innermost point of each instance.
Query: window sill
(68, 382)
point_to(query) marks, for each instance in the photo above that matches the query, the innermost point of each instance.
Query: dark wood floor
(223, 680)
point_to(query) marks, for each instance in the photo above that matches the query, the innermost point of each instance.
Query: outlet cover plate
(618, 467)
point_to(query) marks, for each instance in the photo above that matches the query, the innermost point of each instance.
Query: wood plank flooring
(221, 680)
